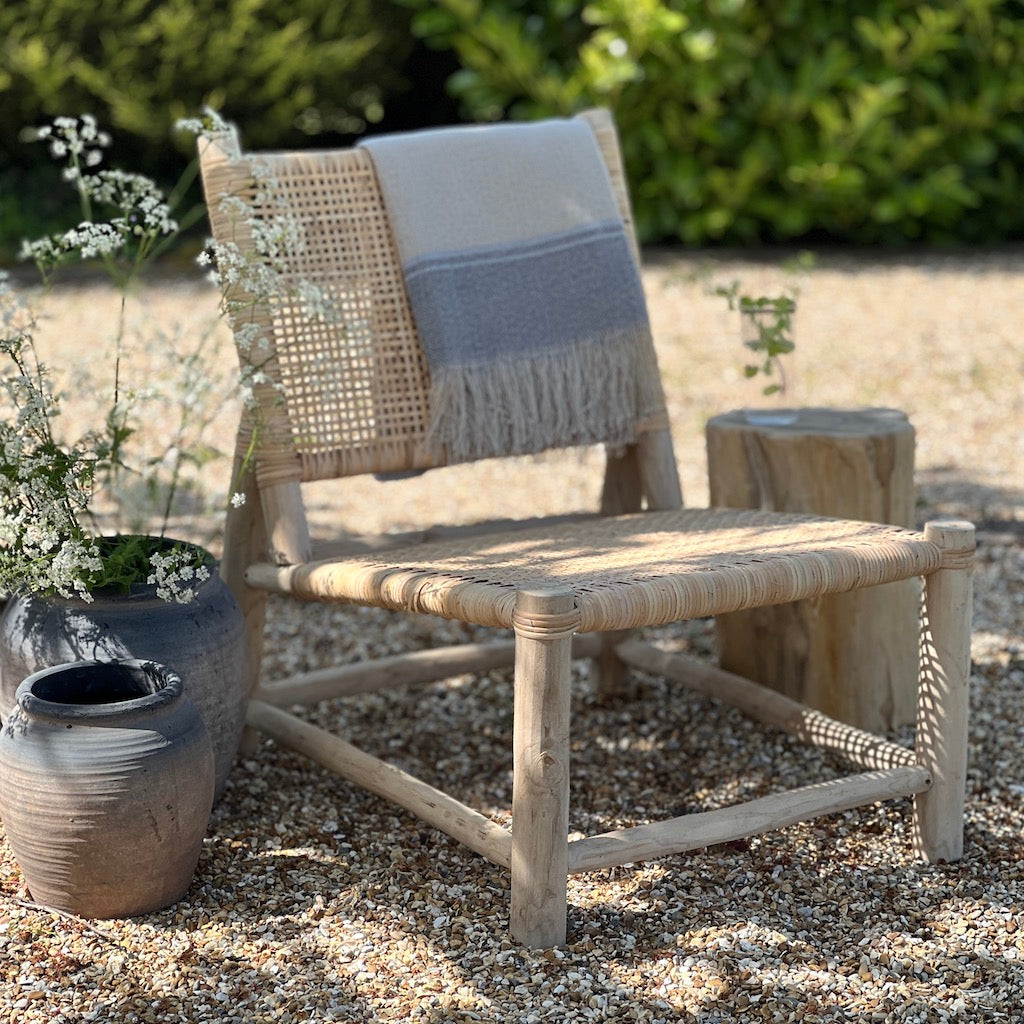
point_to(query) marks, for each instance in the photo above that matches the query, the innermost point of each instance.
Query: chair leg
(245, 541)
(611, 674)
(943, 694)
(544, 620)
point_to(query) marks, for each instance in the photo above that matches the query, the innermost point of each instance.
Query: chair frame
(267, 549)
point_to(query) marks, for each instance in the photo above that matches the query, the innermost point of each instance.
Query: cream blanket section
(522, 285)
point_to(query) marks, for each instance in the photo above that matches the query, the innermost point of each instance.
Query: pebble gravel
(316, 902)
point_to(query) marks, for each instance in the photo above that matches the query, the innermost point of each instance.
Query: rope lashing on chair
(554, 626)
(958, 559)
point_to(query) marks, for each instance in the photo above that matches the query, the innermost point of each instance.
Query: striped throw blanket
(522, 285)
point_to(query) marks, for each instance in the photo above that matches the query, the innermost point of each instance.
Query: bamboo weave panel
(627, 571)
(356, 381)
(350, 390)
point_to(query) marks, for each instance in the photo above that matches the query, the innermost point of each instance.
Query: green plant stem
(178, 441)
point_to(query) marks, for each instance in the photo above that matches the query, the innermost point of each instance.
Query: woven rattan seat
(626, 571)
(349, 392)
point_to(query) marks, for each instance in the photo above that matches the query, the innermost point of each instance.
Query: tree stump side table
(853, 656)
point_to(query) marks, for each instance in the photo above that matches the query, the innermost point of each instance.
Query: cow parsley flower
(49, 484)
(176, 575)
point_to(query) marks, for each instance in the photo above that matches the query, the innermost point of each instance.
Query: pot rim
(169, 689)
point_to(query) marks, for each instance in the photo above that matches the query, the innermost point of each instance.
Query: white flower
(77, 138)
(234, 206)
(176, 574)
(317, 302)
(237, 499)
(93, 240)
(47, 481)
(251, 337)
(140, 202)
(41, 250)
(209, 124)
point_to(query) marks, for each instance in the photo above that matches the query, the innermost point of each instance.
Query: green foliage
(50, 484)
(771, 318)
(766, 120)
(128, 559)
(283, 70)
(270, 66)
(767, 324)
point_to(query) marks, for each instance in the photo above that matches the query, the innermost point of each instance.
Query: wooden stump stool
(853, 656)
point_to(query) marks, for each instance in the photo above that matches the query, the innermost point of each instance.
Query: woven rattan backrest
(342, 388)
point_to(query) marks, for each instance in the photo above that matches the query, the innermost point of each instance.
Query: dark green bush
(766, 120)
(278, 67)
(283, 70)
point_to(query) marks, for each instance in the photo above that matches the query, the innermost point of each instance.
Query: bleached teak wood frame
(350, 396)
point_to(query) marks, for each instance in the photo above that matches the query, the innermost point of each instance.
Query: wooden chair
(565, 589)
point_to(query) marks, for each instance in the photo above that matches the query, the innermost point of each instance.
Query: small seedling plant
(768, 334)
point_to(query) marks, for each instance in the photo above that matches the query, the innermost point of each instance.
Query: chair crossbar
(429, 804)
(610, 849)
(726, 824)
(409, 669)
(814, 728)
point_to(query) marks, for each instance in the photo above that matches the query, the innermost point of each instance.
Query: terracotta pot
(106, 787)
(202, 641)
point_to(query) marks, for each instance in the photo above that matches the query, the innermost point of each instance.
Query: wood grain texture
(431, 805)
(943, 695)
(764, 705)
(411, 668)
(852, 656)
(540, 752)
(726, 824)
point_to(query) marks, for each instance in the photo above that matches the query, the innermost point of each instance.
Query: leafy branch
(767, 326)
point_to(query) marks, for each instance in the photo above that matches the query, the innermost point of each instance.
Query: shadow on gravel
(944, 491)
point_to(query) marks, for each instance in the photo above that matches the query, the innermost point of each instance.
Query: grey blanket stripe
(508, 304)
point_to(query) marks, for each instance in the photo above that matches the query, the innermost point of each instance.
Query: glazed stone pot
(202, 641)
(106, 787)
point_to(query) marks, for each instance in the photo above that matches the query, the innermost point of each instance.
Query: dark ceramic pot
(202, 641)
(106, 787)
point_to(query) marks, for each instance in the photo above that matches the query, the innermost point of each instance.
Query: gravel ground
(314, 902)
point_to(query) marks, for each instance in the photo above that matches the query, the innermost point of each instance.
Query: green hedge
(284, 70)
(274, 65)
(769, 120)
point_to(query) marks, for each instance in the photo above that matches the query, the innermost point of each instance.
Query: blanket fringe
(596, 391)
